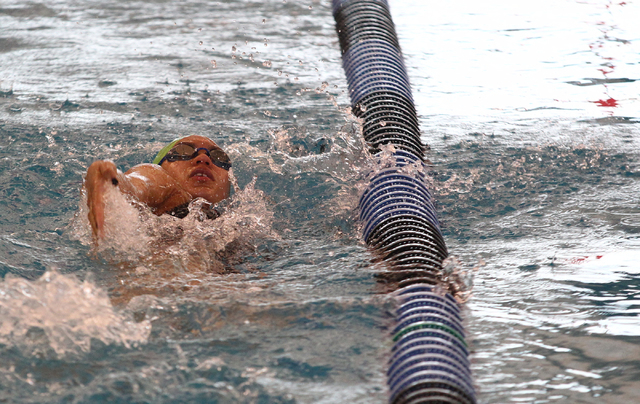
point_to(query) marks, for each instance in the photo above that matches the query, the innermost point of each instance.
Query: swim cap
(165, 150)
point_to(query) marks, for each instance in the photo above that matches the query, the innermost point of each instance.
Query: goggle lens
(184, 152)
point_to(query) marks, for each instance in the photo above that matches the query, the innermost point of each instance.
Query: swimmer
(187, 168)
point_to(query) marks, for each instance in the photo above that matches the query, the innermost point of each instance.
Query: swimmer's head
(199, 165)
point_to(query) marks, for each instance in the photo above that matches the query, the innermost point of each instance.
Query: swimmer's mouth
(201, 174)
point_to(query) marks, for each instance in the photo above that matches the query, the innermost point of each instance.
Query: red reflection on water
(600, 47)
(606, 103)
(583, 259)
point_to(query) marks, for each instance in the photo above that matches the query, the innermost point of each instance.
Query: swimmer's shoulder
(153, 186)
(145, 168)
(147, 174)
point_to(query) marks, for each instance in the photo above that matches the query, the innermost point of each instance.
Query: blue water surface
(531, 113)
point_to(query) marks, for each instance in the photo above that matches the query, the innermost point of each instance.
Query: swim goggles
(184, 152)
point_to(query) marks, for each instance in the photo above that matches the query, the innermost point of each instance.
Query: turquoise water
(533, 142)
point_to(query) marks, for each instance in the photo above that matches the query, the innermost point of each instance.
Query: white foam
(69, 312)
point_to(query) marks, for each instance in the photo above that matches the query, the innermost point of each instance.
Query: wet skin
(161, 188)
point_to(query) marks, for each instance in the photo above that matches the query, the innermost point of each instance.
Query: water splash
(246, 220)
(339, 161)
(58, 314)
(125, 232)
(134, 236)
(459, 277)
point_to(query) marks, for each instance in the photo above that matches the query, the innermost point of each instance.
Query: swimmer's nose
(202, 157)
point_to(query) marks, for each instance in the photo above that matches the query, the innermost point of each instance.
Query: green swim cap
(165, 150)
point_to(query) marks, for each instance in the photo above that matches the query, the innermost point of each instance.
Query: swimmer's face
(199, 176)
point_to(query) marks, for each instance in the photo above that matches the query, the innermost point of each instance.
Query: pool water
(531, 112)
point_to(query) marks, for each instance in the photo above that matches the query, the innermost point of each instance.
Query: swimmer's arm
(100, 175)
(147, 183)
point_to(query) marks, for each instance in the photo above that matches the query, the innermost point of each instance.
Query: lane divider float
(430, 359)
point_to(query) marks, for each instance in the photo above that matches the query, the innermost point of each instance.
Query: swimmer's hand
(100, 175)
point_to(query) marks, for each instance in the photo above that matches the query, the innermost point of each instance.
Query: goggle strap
(160, 157)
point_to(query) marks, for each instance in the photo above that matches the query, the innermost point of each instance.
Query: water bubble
(266, 63)
(322, 87)
(214, 64)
